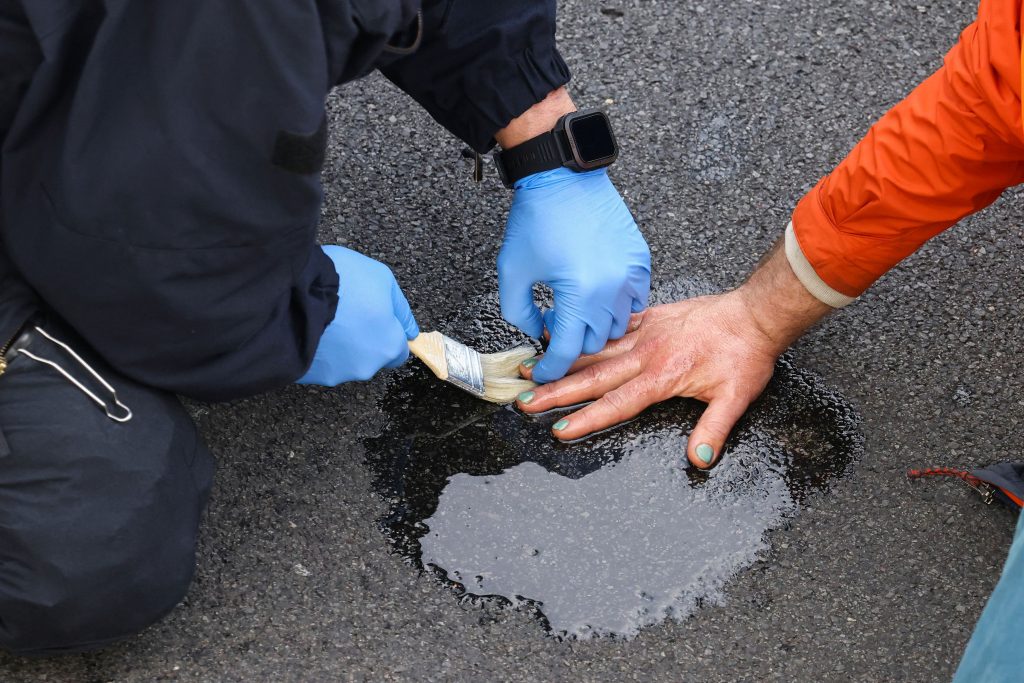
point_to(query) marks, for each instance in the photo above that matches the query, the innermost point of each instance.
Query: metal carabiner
(126, 414)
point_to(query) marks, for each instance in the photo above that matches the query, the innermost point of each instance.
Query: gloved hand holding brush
(374, 329)
(371, 328)
(573, 232)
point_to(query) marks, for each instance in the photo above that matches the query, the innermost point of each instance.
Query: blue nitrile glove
(573, 232)
(371, 327)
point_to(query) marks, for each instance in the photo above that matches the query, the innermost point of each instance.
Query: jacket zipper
(3, 354)
(8, 344)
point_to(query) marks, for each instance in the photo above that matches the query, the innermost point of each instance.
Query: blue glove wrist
(556, 175)
(572, 231)
(371, 327)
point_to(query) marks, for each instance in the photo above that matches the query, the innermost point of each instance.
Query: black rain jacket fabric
(159, 176)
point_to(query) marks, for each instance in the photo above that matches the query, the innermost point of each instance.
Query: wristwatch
(581, 141)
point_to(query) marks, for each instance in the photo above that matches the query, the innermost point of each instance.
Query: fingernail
(529, 362)
(560, 425)
(705, 453)
(526, 396)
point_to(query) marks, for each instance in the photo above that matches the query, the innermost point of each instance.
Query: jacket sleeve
(19, 57)
(172, 221)
(481, 64)
(949, 149)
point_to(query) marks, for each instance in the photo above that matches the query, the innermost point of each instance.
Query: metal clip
(478, 163)
(123, 417)
(986, 492)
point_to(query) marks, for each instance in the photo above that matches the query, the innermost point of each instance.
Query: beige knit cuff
(805, 272)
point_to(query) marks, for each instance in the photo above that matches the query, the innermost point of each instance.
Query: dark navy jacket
(159, 177)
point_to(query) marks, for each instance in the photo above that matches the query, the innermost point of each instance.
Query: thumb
(707, 438)
(565, 347)
(403, 313)
(517, 305)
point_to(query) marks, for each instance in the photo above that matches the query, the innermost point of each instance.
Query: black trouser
(98, 518)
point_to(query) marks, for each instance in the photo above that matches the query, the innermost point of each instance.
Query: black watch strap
(542, 153)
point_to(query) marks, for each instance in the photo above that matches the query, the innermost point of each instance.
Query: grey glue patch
(619, 549)
(609, 534)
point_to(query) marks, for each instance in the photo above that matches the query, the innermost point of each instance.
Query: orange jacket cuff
(825, 248)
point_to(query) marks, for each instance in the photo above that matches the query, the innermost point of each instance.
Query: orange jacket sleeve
(949, 149)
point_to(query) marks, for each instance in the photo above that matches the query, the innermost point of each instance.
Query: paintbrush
(491, 376)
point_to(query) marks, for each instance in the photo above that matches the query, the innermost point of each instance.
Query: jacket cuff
(480, 65)
(808, 277)
(834, 256)
(531, 78)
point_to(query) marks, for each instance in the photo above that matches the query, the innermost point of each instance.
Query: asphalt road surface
(727, 113)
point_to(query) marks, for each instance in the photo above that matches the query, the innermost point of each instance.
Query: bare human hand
(719, 349)
(703, 348)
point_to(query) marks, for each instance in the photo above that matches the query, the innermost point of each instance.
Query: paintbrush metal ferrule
(465, 367)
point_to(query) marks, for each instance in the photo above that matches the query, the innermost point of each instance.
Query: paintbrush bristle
(491, 376)
(502, 382)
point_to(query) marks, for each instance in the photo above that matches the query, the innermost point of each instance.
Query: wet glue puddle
(606, 535)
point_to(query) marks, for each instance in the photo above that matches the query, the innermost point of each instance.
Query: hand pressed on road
(702, 348)
(719, 349)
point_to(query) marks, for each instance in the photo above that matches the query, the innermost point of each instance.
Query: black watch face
(593, 137)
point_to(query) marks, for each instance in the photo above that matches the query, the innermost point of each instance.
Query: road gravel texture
(727, 113)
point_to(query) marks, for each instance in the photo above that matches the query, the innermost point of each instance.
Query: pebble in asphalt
(727, 113)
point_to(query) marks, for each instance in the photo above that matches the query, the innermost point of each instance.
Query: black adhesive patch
(302, 154)
(606, 535)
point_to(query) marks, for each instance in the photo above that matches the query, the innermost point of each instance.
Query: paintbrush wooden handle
(429, 348)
